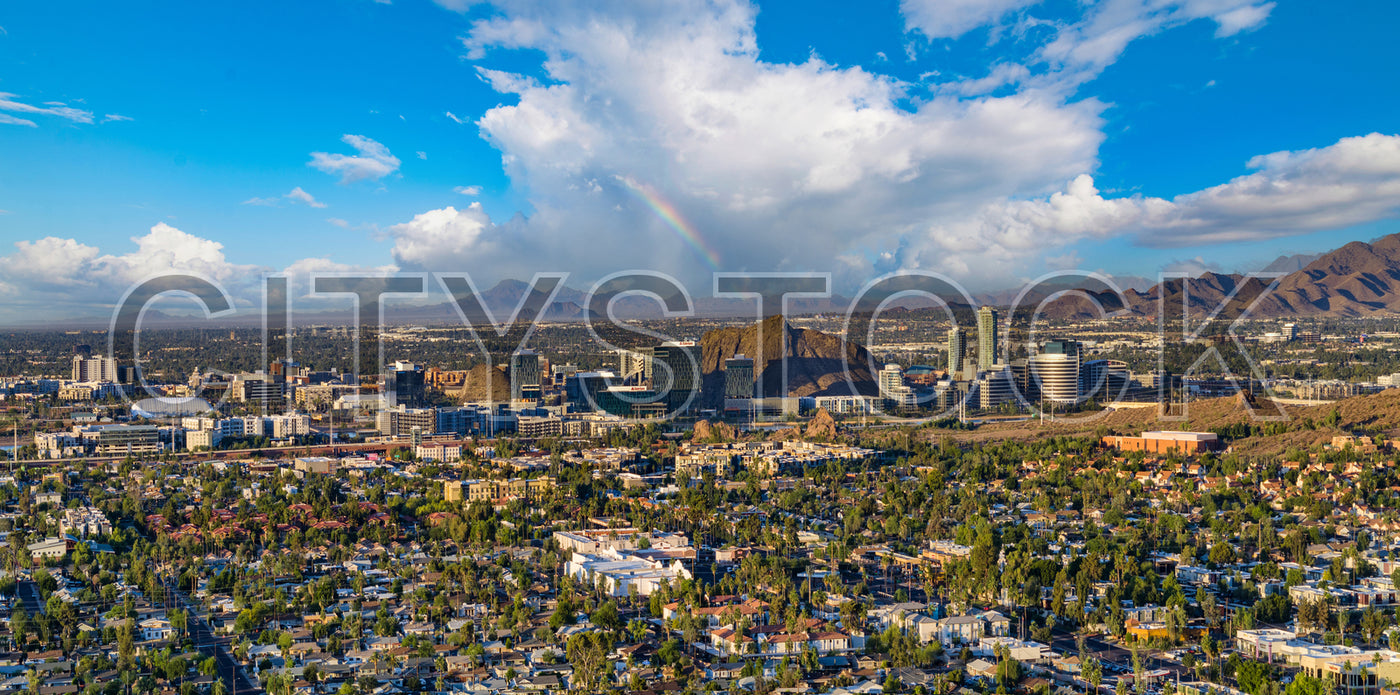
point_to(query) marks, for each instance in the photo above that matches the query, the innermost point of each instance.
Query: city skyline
(989, 141)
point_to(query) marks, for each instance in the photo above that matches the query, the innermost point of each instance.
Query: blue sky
(991, 140)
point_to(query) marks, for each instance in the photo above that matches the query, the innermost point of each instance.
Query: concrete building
(535, 427)
(202, 439)
(1104, 381)
(957, 350)
(438, 451)
(1055, 371)
(676, 364)
(290, 425)
(892, 389)
(525, 376)
(987, 344)
(995, 387)
(398, 422)
(1187, 443)
(94, 369)
(405, 384)
(738, 377)
(619, 572)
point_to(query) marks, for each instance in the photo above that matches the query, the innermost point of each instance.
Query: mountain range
(1358, 279)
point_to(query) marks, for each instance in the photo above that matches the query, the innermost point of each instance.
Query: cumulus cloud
(372, 160)
(53, 272)
(296, 195)
(443, 239)
(745, 155)
(655, 136)
(1351, 182)
(468, 190)
(9, 102)
(1354, 181)
(55, 275)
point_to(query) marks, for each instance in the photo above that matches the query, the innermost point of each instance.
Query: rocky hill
(815, 364)
(485, 382)
(1358, 279)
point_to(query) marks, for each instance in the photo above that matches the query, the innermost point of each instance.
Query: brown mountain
(485, 383)
(1358, 279)
(814, 361)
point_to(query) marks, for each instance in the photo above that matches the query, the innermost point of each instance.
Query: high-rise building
(1290, 331)
(633, 365)
(86, 369)
(957, 347)
(994, 387)
(1104, 381)
(892, 389)
(738, 377)
(1055, 370)
(986, 337)
(525, 375)
(681, 371)
(406, 383)
(401, 421)
(1025, 382)
(286, 370)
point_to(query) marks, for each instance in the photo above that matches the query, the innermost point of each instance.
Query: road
(229, 670)
(1065, 642)
(29, 596)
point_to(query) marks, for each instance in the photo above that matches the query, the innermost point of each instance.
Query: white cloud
(457, 5)
(1355, 181)
(1067, 261)
(114, 117)
(1192, 267)
(457, 119)
(67, 277)
(299, 275)
(787, 166)
(468, 190)
(422, 154)
(939, 19)
(1082, 49)
(52, 108)
(373, 161)
(1076, 49)
(775, 166)
(338, 222)
(57, 274)
(300, 196)
(296, 195)
(11, 120)
(443, 239)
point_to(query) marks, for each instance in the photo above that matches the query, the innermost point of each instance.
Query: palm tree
(1092, 671)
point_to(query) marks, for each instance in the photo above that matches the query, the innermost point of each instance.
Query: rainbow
(672, 217)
